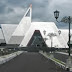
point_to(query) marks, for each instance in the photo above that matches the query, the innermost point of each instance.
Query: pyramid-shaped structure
(22, 28)
(49, 27)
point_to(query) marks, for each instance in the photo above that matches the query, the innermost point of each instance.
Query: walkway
(30, 62)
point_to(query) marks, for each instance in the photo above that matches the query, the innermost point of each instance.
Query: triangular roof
(8, 30)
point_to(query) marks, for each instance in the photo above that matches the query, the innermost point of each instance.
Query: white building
(22, 33)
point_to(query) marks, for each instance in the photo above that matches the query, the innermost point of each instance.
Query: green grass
(58, 61)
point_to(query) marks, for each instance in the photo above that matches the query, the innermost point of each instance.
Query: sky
(12, 11)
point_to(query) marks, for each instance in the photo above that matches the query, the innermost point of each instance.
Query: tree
(66, 20)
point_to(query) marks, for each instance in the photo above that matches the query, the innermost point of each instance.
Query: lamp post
(69, 35)
(44, 32)
(45, 38)
(45, 35)
(56, 14)
(59, 32)
(69, 61)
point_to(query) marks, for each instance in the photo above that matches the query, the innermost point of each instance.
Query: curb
(56, 61)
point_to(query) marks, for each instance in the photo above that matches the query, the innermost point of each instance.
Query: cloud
(12, 11)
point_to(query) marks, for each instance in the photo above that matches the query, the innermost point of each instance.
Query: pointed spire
(24, 23)
(29, 10)
(30, 5)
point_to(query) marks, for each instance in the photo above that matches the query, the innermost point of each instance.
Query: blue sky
(12, 11)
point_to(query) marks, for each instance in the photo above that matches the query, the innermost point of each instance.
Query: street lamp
(56, 14)
(44, 32)
(45, 35)
(59, 32)
(45, 38)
